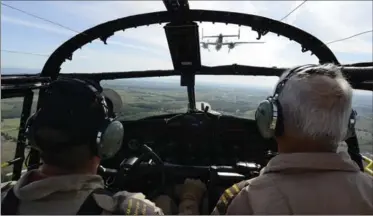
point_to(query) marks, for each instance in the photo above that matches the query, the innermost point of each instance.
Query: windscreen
(233, 95)
(146, 97)
(239, 96)
(32, 30)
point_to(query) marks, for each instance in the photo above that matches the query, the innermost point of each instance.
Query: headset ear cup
(109, 140)
(264, 119)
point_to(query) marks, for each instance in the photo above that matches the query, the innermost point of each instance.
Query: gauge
(133, 144)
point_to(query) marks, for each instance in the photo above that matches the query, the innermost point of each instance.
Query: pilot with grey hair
(309, 115)
(73, 130)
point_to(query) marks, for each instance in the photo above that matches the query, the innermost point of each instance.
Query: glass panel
(233, 95)
(11, 110)
(145, 97)
(362, 103)
(145, 48)
(131, 50)
(240, 95)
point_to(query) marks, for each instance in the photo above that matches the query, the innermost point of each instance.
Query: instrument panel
(193, 140)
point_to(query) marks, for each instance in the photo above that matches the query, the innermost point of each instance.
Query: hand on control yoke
(190, 196)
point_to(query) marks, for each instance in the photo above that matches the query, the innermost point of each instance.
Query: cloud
(326, 20)
(33, 24)
(131, 46)
(146, 47)
(64, 32)
(333, 20)
(106, 61)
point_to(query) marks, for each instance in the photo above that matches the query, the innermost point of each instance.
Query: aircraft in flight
(219, 41)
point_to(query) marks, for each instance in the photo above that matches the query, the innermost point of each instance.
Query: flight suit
(64, 195)
(302, 183)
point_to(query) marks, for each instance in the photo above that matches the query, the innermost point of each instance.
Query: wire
(296, 8)
(26, 53)
(352, 36)
(65, 27)
(38, 17)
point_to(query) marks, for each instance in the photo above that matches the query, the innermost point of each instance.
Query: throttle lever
(103, 170)
(248, 165)
(128, 163)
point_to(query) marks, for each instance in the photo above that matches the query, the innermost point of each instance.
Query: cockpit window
(11, 110)
(146, 97)
(145, 48)
(362, 103)
(234, 95)
(28, 41)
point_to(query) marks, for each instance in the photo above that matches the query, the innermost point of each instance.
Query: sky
(146, 48)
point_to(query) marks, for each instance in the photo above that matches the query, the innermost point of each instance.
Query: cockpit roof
(181, 16)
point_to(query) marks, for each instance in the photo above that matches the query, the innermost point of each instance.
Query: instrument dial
(133, 144)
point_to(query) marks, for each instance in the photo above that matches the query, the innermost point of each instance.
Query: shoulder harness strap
(90, 206)
(228, 196)
(9, 205)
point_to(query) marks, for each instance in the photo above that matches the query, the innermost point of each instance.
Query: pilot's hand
(166, 204)
(192, 189)
(190, 196)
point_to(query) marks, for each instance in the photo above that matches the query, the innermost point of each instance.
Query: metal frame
(19, 155)
(178, 14)
(262, 25)
(358, 76)
(21, 141)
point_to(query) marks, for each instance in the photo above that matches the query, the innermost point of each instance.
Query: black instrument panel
(196, 140)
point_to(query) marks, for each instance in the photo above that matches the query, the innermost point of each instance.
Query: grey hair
(316, 103)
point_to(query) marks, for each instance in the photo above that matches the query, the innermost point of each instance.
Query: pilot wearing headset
(73, 130)
(309, 115)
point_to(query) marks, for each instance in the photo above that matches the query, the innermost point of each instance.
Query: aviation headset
(269, 116)
(109, 136)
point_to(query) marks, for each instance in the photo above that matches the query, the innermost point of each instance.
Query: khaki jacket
(64, 195)
(305, 183)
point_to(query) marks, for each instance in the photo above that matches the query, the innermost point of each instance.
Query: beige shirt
(64, 195)
(306, 183)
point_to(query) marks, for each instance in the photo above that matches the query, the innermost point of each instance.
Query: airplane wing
(215, 36)
(208, 43)
(230, 35)
(239, 42)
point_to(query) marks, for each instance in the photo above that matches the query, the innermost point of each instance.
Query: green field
(146, 99)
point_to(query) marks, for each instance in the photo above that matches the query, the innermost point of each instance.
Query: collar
(32, 190)
(305, 162)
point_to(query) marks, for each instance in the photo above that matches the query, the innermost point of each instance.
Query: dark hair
(59, 149)
(66, 126)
